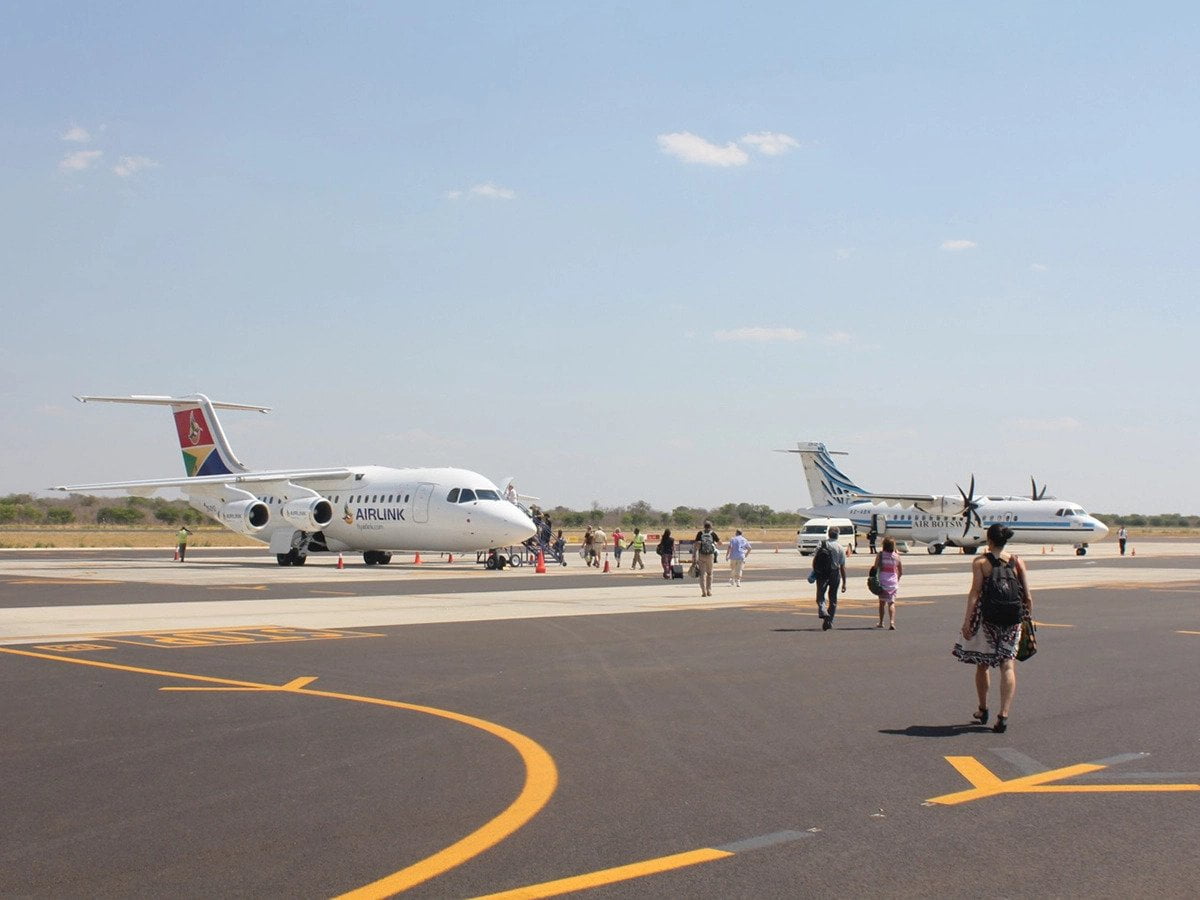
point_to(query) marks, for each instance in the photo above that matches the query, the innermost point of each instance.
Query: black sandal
(1001, 724)
(982, 716)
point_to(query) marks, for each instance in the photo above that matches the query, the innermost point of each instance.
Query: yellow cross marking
(987, 784)
(295, 684)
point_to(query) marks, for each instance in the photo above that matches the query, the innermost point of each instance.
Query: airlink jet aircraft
(372, 509)
(943, 520)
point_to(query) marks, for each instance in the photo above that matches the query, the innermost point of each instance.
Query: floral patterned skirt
(990, 644)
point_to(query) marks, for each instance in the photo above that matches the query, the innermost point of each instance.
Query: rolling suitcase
(676, 570)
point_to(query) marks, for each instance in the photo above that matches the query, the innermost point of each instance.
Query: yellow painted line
(335, 593)
(610, 876)
(1187, 632)
(1038, 624)
(974, 771)
(987, 784)
(62, 581)
(541, 774)
(237, 587)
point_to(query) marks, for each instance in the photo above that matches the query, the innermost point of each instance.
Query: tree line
(81, 509)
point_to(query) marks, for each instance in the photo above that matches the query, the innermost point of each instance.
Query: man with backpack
(829, 566)
(704, 553)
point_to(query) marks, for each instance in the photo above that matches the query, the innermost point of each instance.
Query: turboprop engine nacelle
(246, 516)
(308, 514)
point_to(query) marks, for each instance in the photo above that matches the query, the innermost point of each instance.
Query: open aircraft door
(879, 523)
(420, 502)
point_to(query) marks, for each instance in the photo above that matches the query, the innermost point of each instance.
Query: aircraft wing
(196, 481)
(898, 498)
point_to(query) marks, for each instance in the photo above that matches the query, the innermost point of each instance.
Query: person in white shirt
(739, 549)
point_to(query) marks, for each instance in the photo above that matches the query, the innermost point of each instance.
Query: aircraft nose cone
(1101, 530)
(510, 525)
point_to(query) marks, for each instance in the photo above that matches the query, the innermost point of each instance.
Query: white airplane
(943, 520)
(372, 509)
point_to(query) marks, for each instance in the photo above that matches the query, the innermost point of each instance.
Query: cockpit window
(452, 497)
(487, 494)
(466, 496)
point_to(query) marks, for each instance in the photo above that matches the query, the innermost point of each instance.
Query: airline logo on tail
(200, 456)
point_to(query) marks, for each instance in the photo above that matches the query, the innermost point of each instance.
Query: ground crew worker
(181, 541)
(638, 545)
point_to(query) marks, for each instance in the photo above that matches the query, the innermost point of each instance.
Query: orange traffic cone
(541, 564)
(341, 562)
(1043, 550)
(451, 559)
(1133, 552)
(417, 560)
(776, 549)
(606, 564)
(176, 554)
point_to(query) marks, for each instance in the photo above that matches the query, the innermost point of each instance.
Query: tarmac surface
(229, 727)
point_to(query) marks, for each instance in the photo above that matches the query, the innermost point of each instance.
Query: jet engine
(246, 516)
(308, 514)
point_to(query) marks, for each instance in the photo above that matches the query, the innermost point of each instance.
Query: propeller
(1036, 494)
(970, 506)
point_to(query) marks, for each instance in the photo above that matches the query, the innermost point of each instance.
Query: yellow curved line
(541, 775)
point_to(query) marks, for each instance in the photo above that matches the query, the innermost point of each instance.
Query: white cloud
(1039, 267)
(76, 135)
(958, 244)
(1063, 423)
(694, 149)
(843, 252)
(491, 191)
(128, 165)
(78, 160)
(759, 335)
(838, 337)
(770, 143)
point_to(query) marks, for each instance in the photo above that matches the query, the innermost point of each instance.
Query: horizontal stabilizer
(155, 400)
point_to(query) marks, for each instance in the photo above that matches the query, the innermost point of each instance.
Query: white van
(817, 530)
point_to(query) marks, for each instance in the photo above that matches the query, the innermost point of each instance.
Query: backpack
(873, 583)
(823, 561)
(707, 546)
(1002, 600)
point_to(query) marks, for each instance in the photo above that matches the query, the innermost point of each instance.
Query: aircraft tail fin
(202, 441)
(827, 484)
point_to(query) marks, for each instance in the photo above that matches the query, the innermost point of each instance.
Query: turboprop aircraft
(372, 509)
(943, 520)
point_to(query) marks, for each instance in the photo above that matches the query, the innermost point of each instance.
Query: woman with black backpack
(991, 629)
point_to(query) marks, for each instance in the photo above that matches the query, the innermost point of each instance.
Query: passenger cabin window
(486, 494)
(466, 496)
(452, 497)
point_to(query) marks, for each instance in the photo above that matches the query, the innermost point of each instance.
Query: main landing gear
(935, 549)
(376, 557)
(291, 558)
(1081, 550)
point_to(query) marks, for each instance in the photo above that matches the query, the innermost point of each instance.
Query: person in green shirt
(637, 544)
(181, 540)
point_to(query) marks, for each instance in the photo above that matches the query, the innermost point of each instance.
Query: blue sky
(621, 251)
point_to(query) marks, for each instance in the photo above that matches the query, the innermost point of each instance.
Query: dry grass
(71, 537)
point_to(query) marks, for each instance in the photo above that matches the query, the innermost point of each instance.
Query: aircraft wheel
(383, 558)
(934, 548)
(284, 559)
(970, 551)
(301, 559)
(1081, 551)
(369, 557)
(491, 563)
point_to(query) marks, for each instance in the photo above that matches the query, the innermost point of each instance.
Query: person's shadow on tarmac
(935, 730)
